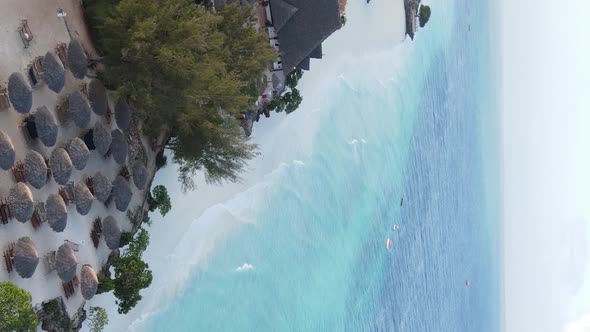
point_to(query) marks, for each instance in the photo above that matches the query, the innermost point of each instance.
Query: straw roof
(101, 186)
(26, 257)
(7, 154)
(119, 147)
(53, 72)
(35, 169)
(46, 126)
(122, 114)
(121, 193)
(102, 138)
(140, 175)
(98, 97)
(78, 152)
(57, 212)
(79, 109)
(88, 282)
(66, 262)
(60, 165)
(77, 60)
(83, 198)
(111, 232)
(20, 202)
(20, 93)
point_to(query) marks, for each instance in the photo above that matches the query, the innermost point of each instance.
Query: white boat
(389, 244)
(395, 227)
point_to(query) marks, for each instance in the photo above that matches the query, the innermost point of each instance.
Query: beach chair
(9, 257)
(62, 53)
(4, 101)
(4, 211)
(18, 171)
(96, 231)
(35, 71)
(39, 215)
(25, 33)
(49, 262)
(70, 287)
(67, 192)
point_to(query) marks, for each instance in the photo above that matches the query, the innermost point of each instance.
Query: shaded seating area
(35, 70)
(25, 33)
(7, 153)
(77, 59)
(88, 282)
(4, 101)
(111, 232)
(96, 231)
(41, 125)
(65, 262)
(20, 202)
(61, 166)
(35, 169)
(26, 257)
(79, 109)
(53, 72)
(121, 193)
(20, 93)
(56, 212)
(83, 198)
(100, 187)
(99, 138)
(78, 152)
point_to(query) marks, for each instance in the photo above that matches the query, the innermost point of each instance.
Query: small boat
(389, 244)
(401, 202)
(468, 282)
(395, 227)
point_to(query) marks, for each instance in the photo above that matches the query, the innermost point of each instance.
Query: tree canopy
(16, 310)
(97, 319)
(291, 99)
(132, 275)
(159, 199)
(424, 15)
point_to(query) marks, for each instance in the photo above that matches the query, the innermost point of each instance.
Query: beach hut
(53, 72)
(119, 147)
(20, 202)
(20, 93)
(77, 60)
(83, 198)
(26, 257)
(101, 187)
(35, 169)
(57, 212)
(79, 109)
(111, 232)
(66, 262)
(139, 173)
(78, 152)
(97, 94)
(99, 139)
(61, 166)
(88, 282)
(7, 153)
(122, 114)
(121, 193)
(42, 125)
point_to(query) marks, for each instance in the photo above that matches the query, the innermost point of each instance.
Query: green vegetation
(139, 243)
(290, 100)
(159, 199)
(424, 15)
(343, 20)
(188, 71)
(97, 319)
(16, 311)
(53, 310)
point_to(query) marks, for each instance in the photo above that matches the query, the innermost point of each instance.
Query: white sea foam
(245, 267)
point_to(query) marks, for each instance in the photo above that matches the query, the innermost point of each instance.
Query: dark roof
(78, 152)
(111, 232)
(316, 53)
(139, 173)
(306, 29)
(35, 169)
(304, 64)
(83, 198)
(53, 72)
(20, 202)
(101, 187)
(57, 212)
(20, 93)
(119, 147)
(66, 262)
(60, 165)
(88, 282)
(79, 109)
(101, 138)
(122, 114)
(121, 193)
(7, 154)
(282, 12)
(26, 257)
(46, 126)
(98, 97)
(77, 60)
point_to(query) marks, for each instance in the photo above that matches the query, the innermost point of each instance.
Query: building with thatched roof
(61, 166)
(7, 153)
(57, 212)
(77, 60)
(121, 193)
(79, 109)
(140, 175)
(119, 147)
(97, 94)
(43, 125)
(26, 257)
(83, 198)
(53, 72)
(88, 282)
(20, 202)
(78, 152)
(20, 93)
(111, 232)
(122, 114)
(66, 262)
(101, 187)
(35, 169)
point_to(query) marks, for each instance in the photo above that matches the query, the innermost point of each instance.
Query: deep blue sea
(315, 257)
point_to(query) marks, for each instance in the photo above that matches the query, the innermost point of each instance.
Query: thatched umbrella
(83, 198)
(20, 93)
(140, 175)
(101, 187)
(99, 139)
(98, 97)
(79, 153)
(66, 262)
(77, 60)
(53, 72)
(20, 202)
(79, 109)
(35, 169)
(57, 212)
(122, 114)
(111, 232)
(119, 147)
(121, 193)
(88, 282)
(61, 166)
(7, 154)
(45, 126)
(26, 257)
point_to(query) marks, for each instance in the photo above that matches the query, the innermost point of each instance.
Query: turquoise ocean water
(317, 248)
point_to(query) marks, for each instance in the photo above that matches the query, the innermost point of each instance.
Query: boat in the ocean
(389, 244)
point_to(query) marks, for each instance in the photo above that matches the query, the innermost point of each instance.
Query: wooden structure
(84, 89)
(70, 287)
(67, 192)
(62, 53)
(96, 231)
(18, 171)
(49, 261)
(75, 247)
(25, 33)
(39, 215)
(124, 172)
(4, 211)
(35, 71)
(4, 101)
(9, 257)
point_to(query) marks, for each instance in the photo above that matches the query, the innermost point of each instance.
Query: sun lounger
(4, 101)
(18, 170)
(39, 216)
(25, 33)
(9, 257)
(96, 231)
